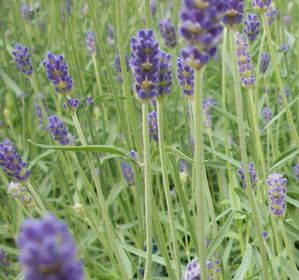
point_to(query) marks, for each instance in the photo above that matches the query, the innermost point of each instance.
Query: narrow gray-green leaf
(243, 268)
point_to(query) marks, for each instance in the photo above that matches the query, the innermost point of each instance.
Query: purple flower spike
(195, 58)
(277, 194)
(261, 5)
(168, 33)
(165, 75)
(207, 111)
(271, 15)
(118, 67)
(234, 12)
(244, 62)
(89, 101)
(22, 58)
(266, 115)
(252, 27)
(153, 7)
(11, 162)
(214, 267)
(296, 171)
(145, 64)
(185, 76)
(38, 109)
(153, 126)
(252, 173)
(58, 73)
(265, 61)
(90, 41)
(48, 251)
(192, 272)
(58, 131)
(128, 174)
(26, 12)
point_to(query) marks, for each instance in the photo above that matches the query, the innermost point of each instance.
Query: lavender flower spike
(252, 173)
(11, 162)
(207, 110)
(296, 171)
(58, 131)
(145, 64)
(22, 58)
(252, 27)
(261, 5)
(234, 12)
(58, 73)
(128, 174)
(168, 33)
(185, 76)
(192, 272)
(48, 251)
(165, 75)
(265, 61)
(271, 15)
(153, 126)
(90, 41)
(277, 194)
(266, 115)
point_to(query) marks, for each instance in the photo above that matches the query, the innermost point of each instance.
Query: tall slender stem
(147, 12)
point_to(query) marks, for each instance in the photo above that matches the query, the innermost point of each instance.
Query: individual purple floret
(73, 103)
(296, 171)
(11, 162)
(266, 115)
(277, 193)
(40, 100)
(165, 75)
(252, 27)
(133, 155)
(89, 101)
(48, 251)
(252, 173)
(265, 61)
(4, 259)
(287, 94)
(153, 126)
(168, 33)
(265, 235)
(58, 131)
(244, 61)
(207, 111)
(271, 15)
(145, 64)
(261, 5)
(185, 76)
(128, 174)
(234, 12)
(58, 73)
(192, 272)
(90, 41)
(118, 67)
(284, 48)
(22, 58)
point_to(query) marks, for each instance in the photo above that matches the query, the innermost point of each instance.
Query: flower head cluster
(252, 173)
(244, 61)
(185, 76)
(118, 67)
(168, 33)
(201, 28)
(284, 48)
(153, 7)
(296, 171)
(234, 12)
(11, 162)
(22, 58)
(207, 110)
(266, 115)
(58, 131)
(58, 73)
(89, 101)
(90, 41)
(261, 5)
(165, 74)
(214, 267)
(271, 15)
(4, 259)
(72, 104)
(48, 251)
(192, 272)
(38, 101)
(17, 191)
(128, 174)
(26, 12)
(252, 27)
(153, 126)
(145, 64)
(265, 61)
(277, 193)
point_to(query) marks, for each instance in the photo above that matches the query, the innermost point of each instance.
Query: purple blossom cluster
(22, 58)
(17, 191)
(11, 162)
(266, 115)
(252, 173)
(271, 15)
(185, 76)
(265, 62)
(261, 5)
(277, 193)
(48, 251)
(90, 41)
(153, 126)
(252, 27)
(59, 131)
(58, 73)
(128, 174)
(73, 104)
(234, 13)
(165, 75)
(168, 33)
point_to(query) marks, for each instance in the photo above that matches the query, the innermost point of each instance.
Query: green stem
(147, 12)
(36, 198)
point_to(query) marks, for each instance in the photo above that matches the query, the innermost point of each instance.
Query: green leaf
(41, 156)
(286, 157)
(11, 84)
(243, 268)
(293, 201)
(290, 271)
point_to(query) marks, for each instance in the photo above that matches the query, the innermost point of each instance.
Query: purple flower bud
(11, 162)
(265, 235)
(22, 58)
(244, 62)
(90, 41)
(118, 67)
(192, 272)
(183, 166)
(234, 12)
(153, 7)
(58, 73)
(145, 64)
(89, 101)
(17, 191)
(252, 173)
(284, 48)
(73, 104)
(266, 115)
(38, 109)
(271, 15)
(252, 27)
(185, 76)
(48, 251)
(128, 174)
(265, 61)
(277, 193)
(4, 259)
(168, 33)
(214, 267)
(153, 126)
(26, 12)
(110, 34)
(261, 5)
(296, 171)
(58, 131)
(133, 155)
(165, 75)
(207, 110)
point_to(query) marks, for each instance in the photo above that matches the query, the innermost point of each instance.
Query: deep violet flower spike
(153, 126)
(48, 251)
(261, 5)
(58, 73)
(244, 61)
(38, 101)
(144, 63)
(185, 76)
(168, 33)
(252, 27)
(192, 272)
(296, 171)
(11, 162)
(90, 41)
(271, 15)
(252, 173)
(128, 174)
(22, 58)
(118, 67)
(234, 12)
(165, 74)
(265, 62)
(59, 131)
(277, 194)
